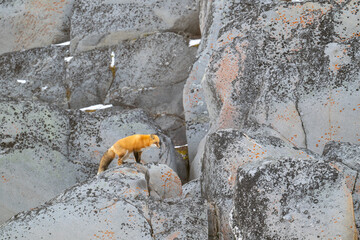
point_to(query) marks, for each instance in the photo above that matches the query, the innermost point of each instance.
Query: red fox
(123, 147)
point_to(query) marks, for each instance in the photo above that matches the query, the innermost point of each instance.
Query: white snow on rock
(96, 107)
(68, 59)
(62, 44)
(21, 81)
(194, 42)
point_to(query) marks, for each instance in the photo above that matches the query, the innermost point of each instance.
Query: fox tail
(105, 161)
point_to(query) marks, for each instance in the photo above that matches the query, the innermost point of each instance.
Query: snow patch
(44, 88)
(68, 59)
(62, 44)
(21, 81)
(112, 60)
(96, 107)
(194, 42)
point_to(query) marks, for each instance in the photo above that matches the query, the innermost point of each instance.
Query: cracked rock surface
(149, 72)
(299, 77)
(98, 23)
(92, 209)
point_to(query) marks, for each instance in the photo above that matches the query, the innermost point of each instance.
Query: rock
(93, 133)
(98, 202)
(285, 198)
(349, 155)
(149, 73)
(346, 153)
(196, 163)
(163, 182)
(195, 104)
(36, 74)
(53, 149)
(192, 189)
(225, 152)
(34, 163)
(97, 24)
(29, 24)
(289, 74)
(173, 126)
(179, 219)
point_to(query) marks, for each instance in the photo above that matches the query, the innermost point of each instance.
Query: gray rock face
(36, 74)
(163, 182)
(286, 70)
(346, 153)
(287, 198)
(225, 152)
(98, 23)
(149, 73)
(97, 205)
(29, 24)
(34, 162)
(339, 154)
(195, 106)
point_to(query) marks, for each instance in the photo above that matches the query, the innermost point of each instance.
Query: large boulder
(227, 151)
(276, 63)
(34, 162)
(26, 24)
(36, 74)
(149, 72)
(92, 210)
(98, 23)
(163, 182)
(287, 199)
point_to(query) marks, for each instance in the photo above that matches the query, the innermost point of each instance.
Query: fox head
(155, 141)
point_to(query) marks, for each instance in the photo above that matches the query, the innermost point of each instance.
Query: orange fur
(123, 147)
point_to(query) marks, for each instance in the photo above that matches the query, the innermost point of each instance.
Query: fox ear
(152, 136)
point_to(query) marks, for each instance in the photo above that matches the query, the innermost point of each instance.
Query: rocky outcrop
(98, 23)
(225, 152)
(259, 187)
(116, 204)
(29, 24)
(149, 72)
(36, 74)
(45, 150)
(287, 198)
(287, 70)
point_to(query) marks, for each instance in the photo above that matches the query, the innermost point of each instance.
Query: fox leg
(137, 155)
(123, 156)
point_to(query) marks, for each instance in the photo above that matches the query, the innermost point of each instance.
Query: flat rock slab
(29, 24)
(114, 205)
(288, 198)
(36, 74)
(98, 23)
